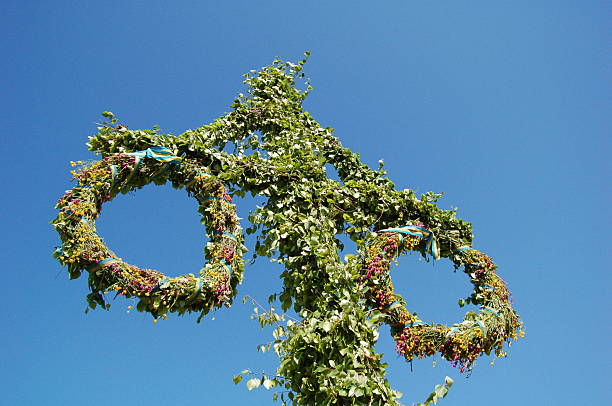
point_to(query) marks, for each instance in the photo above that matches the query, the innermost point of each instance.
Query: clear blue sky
(504, 106)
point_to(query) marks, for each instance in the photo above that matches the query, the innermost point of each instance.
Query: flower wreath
(462, 343)
(83, 249)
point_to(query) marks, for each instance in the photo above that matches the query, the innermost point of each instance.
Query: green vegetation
(268, 146)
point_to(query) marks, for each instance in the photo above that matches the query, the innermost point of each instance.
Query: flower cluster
(83, 249)
(381, 253)
(419, 342)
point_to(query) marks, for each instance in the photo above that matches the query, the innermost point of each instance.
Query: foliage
(268, 146)
(439, 392)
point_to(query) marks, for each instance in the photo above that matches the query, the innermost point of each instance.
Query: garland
(83, 249)
(479, 333)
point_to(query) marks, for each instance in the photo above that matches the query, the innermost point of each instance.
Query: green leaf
(237, 379)
(441, 391)
(253, 383)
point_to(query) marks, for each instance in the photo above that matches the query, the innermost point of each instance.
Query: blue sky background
(501, 105)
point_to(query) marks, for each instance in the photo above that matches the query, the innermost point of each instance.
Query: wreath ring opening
(479, 333)
(83, 249)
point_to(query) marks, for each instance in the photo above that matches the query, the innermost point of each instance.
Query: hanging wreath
(479, 333)
(83, 249)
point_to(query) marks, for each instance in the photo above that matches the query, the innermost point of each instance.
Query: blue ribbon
(159, 153)
(196, 291)
(114, 173)
(162, 154)
(488, 309)
(161, 282)
(389, 306)
(430, 246)
(86, 221)
(401, 231)
(230, 235)
(461, 250)
(226, 234)
(98, 264)
(212, 198)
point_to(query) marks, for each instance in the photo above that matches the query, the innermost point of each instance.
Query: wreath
(82, 249)
(479, 333)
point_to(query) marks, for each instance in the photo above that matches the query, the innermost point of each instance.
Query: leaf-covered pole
(268, 146)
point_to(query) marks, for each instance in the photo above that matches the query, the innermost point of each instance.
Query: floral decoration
(83, 249)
